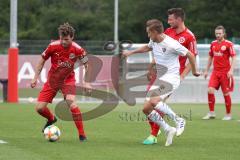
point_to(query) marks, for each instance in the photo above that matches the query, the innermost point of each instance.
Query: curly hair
(66, 29)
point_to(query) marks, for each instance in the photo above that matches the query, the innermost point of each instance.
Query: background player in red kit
(221, 51)
(64, 53)
(184, 36)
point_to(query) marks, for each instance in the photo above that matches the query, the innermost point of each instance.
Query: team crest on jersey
(72, 56)
(223, 48)
(164, 49)
(181, 40)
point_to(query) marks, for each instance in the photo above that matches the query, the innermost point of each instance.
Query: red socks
(155, 127)
(211, 102)
(45, 112)
(77, 117)
(228, 104)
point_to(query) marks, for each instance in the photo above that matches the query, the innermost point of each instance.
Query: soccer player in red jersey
(221, 51)
(184, 36)
(64, 53)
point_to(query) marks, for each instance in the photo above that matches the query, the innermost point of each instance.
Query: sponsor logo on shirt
(164, 49)
(219, 54)
(64, 64)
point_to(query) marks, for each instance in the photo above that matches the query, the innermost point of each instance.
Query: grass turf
(118, 135)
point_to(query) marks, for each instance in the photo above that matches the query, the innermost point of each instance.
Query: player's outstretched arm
(192, 62)
(210, 59)
(38, 70)
(138, 50)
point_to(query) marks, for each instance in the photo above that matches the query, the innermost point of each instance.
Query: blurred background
(94, 23)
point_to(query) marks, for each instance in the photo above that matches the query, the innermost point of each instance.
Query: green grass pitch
(118, 136)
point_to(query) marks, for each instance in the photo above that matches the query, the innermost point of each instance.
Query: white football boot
(180, 125)
(210, 115)
(170, 133)
(227, 117)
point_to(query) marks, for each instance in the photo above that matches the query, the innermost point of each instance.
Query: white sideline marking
(2, 142)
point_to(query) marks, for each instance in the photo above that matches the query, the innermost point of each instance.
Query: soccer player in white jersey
(166, 51)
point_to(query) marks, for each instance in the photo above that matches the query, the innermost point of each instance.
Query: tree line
(94, 19)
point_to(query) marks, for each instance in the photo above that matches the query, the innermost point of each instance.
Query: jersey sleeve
(150, 44)
(82, 55)
(231, 50)
(181, 50)
(211, 51)
(47, 53)
(192, 45)
(81, 52)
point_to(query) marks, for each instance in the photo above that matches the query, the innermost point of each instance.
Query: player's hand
(230, 74)
(196, 74)
(181, 77)
(205, 74)
(126, 53)
(34, 83)
(87, 87)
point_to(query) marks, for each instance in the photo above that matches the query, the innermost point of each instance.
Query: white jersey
(166, 54)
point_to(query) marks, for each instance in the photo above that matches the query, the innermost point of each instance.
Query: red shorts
(221, 79)
(48, 93)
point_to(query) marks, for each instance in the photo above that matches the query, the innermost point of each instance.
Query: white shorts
(164, 86)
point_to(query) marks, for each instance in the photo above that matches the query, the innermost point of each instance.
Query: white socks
(155, 117)
(164, 108)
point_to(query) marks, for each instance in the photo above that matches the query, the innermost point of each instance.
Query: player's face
(219, 33)
(66, 40)
(173, 21)
(152, 34)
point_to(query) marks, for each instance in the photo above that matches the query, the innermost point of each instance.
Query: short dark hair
(220, 27)
(155, 24)
(177, 12)
(66, 29)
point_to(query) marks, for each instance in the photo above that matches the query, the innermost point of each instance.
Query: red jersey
(185, 38)
(62, 60)
(221, 52)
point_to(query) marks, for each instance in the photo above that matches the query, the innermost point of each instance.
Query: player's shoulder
(55, 43)
(78, 49)
(77, 46)
(228, 42)
(214, 42)
(171, 41)
(188, 33)
(169, 30)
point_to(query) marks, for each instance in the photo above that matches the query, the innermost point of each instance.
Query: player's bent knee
(146, 111)
(71, 104)
(226, 94)
(211, 90)
(155, 101)
(147, 108)
(40, 106)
